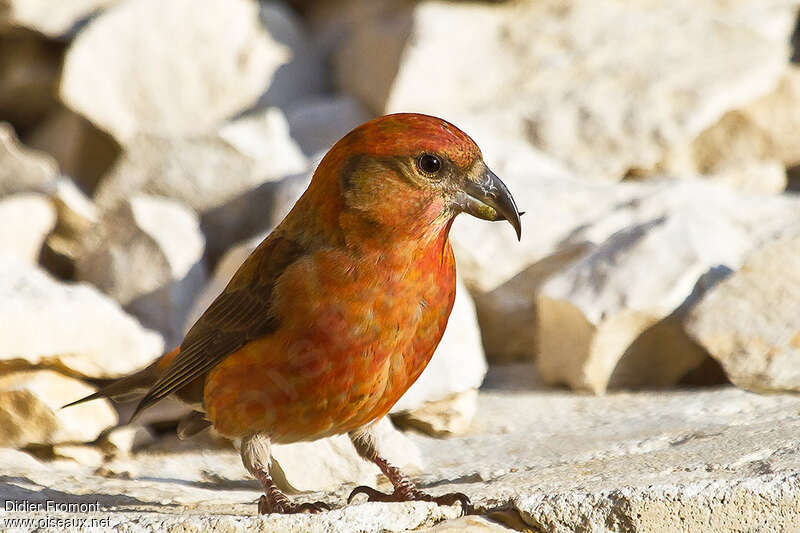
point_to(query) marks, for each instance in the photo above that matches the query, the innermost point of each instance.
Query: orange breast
(354, 335)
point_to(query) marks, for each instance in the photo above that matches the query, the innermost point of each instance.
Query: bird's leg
(366, 442)
(257, 459)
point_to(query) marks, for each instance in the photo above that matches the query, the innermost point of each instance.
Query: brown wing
(240, 314)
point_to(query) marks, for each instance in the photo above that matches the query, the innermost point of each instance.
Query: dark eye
(429, 163)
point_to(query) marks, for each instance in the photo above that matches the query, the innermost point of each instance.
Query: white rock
(252, 153)
(76, 212)
(264, 136)
(126, 439)
(749, 321)
(689, 460)
(507, 314)
(83, 151)
(316, 124)
(54, 19)
(247, 152)
(442, 418)
(72, 326)
(760, 176)
(80, 453)
(269, 203)
(30, 409)
(223, 272)
(25, 221)
(304, 73)
(478, 524)
(560, 69)
(285, 194)
(147, 255)
(29, 73)
(612, 317)
(763, 130)
(555, 204)
(23, 169)
(127, 71)
(184, 169)
(76, 215)
(747, 148)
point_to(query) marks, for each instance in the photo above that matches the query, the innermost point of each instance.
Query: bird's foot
(412, 494)
(280, 504)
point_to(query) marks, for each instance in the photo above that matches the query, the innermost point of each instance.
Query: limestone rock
(227, 177)
(696, 460)
(71, 326)
(749, 322)
(226, 267)
(246, 153)
(252, 215)
(80, 453)
(127, 71)
(25, 221)
(660, 461)
(264, 136)
(556, 203)
(474, 524)
(507, 314)
(317, 123)
(285, 194)
(30, 409)
(147, 255)
(23, 169)
(612, 310)
(441, 418)
(760, 176)
(778, 116)
(559, 69)
(29, 70)
(76, 215)
(76, 212)
(304, 73)
(750, 146)
(83, 151)
(562, 213)
(126, 439)
(52, 19)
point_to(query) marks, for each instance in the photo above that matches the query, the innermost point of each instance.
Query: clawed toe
(287, 507)
(453, 498)
(372, 495)
(415, 495)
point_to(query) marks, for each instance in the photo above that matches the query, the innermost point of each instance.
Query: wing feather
(241, 313)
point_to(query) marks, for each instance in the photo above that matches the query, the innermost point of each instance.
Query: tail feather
(125, 389)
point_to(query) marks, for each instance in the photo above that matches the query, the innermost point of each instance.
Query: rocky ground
(536, 459)
(630, 365)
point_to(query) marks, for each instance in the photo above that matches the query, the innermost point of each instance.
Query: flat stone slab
(717, 459)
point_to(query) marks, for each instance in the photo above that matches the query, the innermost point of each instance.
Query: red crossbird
(338, 311)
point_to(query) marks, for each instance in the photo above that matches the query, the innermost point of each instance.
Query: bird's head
(415, 172)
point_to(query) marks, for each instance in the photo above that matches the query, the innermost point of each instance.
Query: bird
(338, 310)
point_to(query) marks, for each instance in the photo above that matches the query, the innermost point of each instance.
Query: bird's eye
(429, 163)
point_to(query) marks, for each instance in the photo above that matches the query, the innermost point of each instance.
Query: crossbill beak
(485, 196)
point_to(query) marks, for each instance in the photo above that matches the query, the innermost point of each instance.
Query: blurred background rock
(147, 146)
